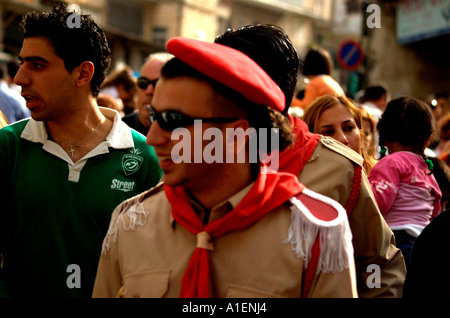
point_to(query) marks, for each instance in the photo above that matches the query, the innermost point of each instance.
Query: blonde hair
(321, 104)
(3, 120)
(367, 118)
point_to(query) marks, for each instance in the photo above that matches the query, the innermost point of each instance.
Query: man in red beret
(223, 228)
(327, 167)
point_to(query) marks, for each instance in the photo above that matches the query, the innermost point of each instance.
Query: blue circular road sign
(350, 55)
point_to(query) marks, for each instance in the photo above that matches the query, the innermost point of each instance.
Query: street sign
(350, 55)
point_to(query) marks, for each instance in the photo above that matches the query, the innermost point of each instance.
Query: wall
(417, 69)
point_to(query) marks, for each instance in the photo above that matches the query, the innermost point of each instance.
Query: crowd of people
(95, 204)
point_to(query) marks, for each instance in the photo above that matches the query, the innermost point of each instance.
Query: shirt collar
(119, 137)
(222, 208)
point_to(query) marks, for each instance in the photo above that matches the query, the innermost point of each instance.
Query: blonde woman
(339, 118)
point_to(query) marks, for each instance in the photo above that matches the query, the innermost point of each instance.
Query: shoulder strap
(310, 271)
(137, 216)
(355, 190)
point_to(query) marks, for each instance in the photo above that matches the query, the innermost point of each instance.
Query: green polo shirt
(54, 214)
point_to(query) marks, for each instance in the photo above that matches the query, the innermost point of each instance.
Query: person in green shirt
(64, 170)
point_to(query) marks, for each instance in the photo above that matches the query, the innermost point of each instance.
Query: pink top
(407, 197)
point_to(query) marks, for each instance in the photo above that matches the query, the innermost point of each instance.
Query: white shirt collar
(119, 137)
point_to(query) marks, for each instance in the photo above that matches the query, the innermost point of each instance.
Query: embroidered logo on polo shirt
(132, 162)
(125, 186)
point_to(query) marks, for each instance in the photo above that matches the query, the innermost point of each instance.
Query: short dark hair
(74, 45)
(317, 62)
(258, 116)
(444, 95)
(374, 92)
(12, 68)
(124, 77)
(270, 47)
(407, 120)
(441, 172)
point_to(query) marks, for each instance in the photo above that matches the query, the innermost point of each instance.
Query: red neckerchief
(295, 157)
(268, 192)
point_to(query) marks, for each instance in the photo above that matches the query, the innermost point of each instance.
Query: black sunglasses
(171, 120)
(143, 82)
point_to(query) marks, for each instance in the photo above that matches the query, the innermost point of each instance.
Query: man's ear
(237, 139)
(240, 123)
(84, 73)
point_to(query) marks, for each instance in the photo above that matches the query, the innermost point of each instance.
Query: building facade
(136, 28)
(410, 51)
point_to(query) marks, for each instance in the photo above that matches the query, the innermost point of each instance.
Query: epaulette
(157, 188)
(135, 213)
(125, 205)
(319, 234)
(341, 149)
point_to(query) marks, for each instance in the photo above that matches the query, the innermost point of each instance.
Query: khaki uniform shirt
(380, 267)
(146, 253)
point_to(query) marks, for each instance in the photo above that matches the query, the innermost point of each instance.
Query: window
(160, 36)
(125, 16)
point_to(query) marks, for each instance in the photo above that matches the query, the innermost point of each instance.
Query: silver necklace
(72, 151)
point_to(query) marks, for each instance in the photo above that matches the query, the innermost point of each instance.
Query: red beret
(229, 67)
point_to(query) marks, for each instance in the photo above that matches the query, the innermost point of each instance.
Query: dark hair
(444, 95)
(74, 45)
(258, 116)
(270, 47)
(317, 62)
(408, 121)
(122, 77)
(441, 172)
(443, 127)
(374, 92)
(12, 67)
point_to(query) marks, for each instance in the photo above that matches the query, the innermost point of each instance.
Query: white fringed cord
(336, 249)
(131, 214)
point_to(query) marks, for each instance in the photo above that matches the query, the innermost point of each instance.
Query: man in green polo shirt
(63, 171)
